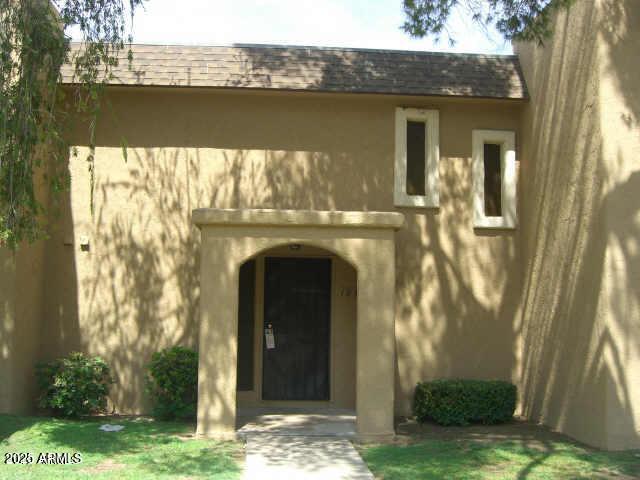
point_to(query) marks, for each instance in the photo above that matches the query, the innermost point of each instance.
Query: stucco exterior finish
(579, 226)
(20, 321)
(7, 319)
(21, 313)
(136, 289)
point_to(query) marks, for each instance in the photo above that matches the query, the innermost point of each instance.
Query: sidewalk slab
(288, 457)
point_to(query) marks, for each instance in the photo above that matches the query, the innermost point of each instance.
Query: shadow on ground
(518, 450)
(9, 424)
(84, 435)
(409, 431)
(143, 449)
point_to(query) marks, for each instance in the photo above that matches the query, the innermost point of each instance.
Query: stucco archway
(365, 239)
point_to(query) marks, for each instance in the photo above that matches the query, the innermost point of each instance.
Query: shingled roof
(322, 70)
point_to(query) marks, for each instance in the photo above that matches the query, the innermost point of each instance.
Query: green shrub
(460, 402)
(73, 386)
(172, 382)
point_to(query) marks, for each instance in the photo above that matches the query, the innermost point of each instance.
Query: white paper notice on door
(269, 338)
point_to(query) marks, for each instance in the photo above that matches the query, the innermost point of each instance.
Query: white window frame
(432, 156)
(507, 141)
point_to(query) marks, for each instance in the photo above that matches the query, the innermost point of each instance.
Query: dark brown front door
(297, 308)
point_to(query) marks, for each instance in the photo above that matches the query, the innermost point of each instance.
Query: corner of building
(580, 238)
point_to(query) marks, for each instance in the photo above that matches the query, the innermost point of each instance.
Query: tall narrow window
(416, 158)
(494, 179)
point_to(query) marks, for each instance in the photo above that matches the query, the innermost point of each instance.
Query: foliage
(460, 402)
(172, 382)
(144, 449)
(75, 385)
(488, 460)
(514, 19)
(33, 46)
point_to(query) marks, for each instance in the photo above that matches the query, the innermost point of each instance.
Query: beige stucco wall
(22, 276)
(7, 327)
(21, 317)
(136, 289)
(579, 226)
(620, 106)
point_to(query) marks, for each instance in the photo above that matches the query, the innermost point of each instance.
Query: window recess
(494, 179)
(417, 154)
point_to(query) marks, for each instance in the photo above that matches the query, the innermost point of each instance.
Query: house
(331, 226)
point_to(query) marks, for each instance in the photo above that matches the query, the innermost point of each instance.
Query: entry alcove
(304, 299)
(365, 241)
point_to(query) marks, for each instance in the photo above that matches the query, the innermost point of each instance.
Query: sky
(328, 23)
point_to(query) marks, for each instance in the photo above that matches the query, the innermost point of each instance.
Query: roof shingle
(322, 70)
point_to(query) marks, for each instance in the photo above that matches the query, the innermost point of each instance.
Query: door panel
(297, 305)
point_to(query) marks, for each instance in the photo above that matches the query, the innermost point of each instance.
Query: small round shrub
(74, 385)
(172, 383)
(461, 402)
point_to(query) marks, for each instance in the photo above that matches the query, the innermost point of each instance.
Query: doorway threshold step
(317, 424)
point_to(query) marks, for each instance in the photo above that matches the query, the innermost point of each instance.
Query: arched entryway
(364, 240)
(297, 316)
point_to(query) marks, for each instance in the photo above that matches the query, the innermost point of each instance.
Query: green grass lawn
(467, 459)
(144, 449)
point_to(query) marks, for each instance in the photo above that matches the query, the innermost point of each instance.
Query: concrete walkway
(288, 457)
(302, 445)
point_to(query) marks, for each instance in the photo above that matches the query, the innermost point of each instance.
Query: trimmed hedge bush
(73, 386)
(461, 402)
(172, 383)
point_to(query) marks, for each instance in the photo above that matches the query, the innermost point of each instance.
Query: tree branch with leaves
(33, 46)
(527, 20)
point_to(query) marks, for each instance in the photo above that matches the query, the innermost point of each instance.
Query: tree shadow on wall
(457, 291)
(573, 356)
(456, 286)
(139, 284)
(142, 290)
(619, 28)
